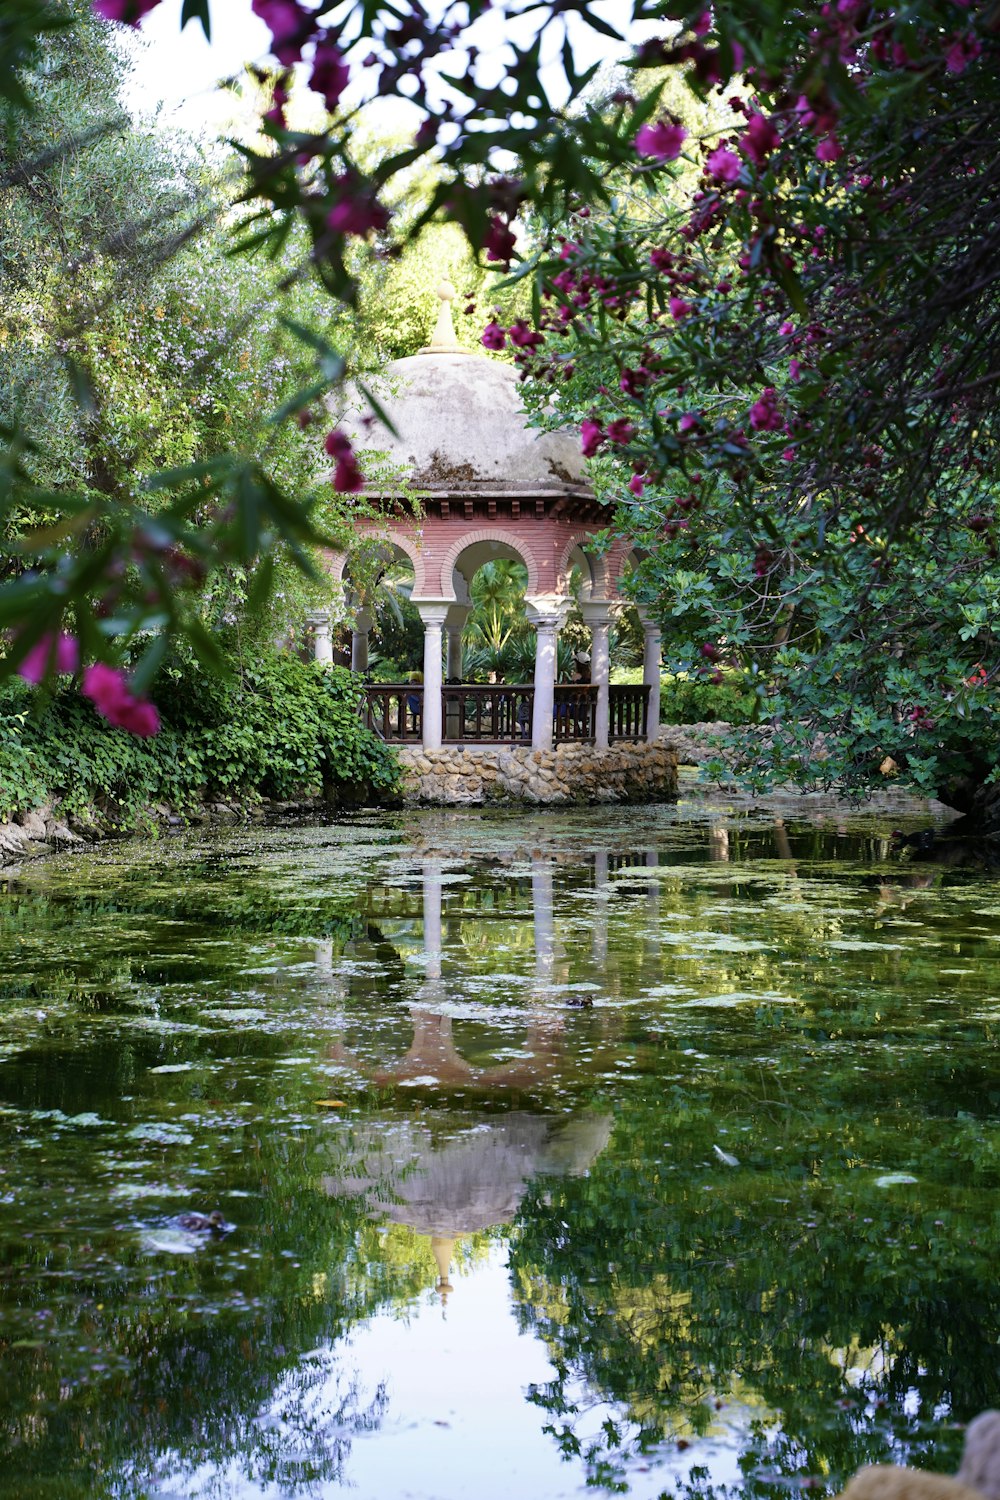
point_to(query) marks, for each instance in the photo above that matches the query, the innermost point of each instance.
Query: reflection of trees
(119, 1368)
(660, 1281)
(787, 1285)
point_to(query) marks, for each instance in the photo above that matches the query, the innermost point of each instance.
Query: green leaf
(332, 364)
(197, 10)
(377, 408)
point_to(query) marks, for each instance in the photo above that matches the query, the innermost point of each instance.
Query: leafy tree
(787, 371)
(819, 343)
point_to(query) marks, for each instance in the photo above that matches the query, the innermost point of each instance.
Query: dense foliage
(272, 726)
(789, 342)
(780, 336)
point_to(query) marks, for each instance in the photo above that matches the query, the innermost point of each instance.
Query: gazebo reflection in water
(477, 1119)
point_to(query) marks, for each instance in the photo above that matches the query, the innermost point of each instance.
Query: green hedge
(276, 727)
(686, 700)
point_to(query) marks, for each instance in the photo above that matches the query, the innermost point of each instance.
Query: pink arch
(615, 562)
(598, 565)
(391, 538)
(489, 534)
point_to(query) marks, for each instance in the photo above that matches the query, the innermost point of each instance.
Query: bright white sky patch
(178, 72)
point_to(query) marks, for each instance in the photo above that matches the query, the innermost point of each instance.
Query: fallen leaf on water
(329, 1104)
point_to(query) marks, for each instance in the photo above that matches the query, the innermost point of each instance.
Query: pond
(651, 1151)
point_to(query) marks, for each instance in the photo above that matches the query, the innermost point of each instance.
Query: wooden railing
(500, 713)
(574, 711)
(493, 714)
(394, 710)
(628, 709)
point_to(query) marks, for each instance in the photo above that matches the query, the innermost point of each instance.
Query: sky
(177, 72)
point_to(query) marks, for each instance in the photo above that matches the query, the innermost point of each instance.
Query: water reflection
(689, 1121)
(451, 1183)
(462, 1177)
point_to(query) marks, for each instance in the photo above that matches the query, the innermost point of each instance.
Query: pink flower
(347, 477)
(787, 327)
(499, 241)
(524, 337)
(637, 484)
(276, 114)
(963, 50)
(759, 139)
(794, 369)
(662, 140)
(141, 718)
(818, 117)
(723, 165)
(129, 11)
(114, 700)
(330, 73)
(703, 24)
(679, 308)
(708, 61)
(358, 211)
(632, 382)
(829, 148)
(62, 653)
(764, 414)
(290, 26)
(592, 436)
(688, 422)
(621, 430)
(494, 337)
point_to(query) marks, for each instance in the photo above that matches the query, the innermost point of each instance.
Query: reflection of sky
(645, 913)
(457, 1422)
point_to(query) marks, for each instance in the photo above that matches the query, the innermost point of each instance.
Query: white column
(433, 614)
(597, 614)
(542, 910)
(546, 615)
(599, 931)
(453, 652)
(432, 918)
(651, 674)
(322, 628)
(363, 622)
(458, 618)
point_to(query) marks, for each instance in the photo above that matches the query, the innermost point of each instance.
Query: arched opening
(498, 644)
(381, 634)
(637, 647)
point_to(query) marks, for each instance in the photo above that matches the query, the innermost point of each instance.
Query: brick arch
(487, 534)
(405, 544)
(621, 553)
(599, 565)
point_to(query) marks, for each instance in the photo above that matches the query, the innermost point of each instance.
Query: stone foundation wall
(516, 773)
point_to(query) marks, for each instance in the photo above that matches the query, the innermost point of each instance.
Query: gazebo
(489, 487)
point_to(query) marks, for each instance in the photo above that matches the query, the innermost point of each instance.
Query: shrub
(275, 727)
(684, 700)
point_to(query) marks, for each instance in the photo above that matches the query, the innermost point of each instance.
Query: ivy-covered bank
(273, 727)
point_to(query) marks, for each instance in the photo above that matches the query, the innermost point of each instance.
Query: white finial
(443, 339)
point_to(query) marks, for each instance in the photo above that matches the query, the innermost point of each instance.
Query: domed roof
(461, 425)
